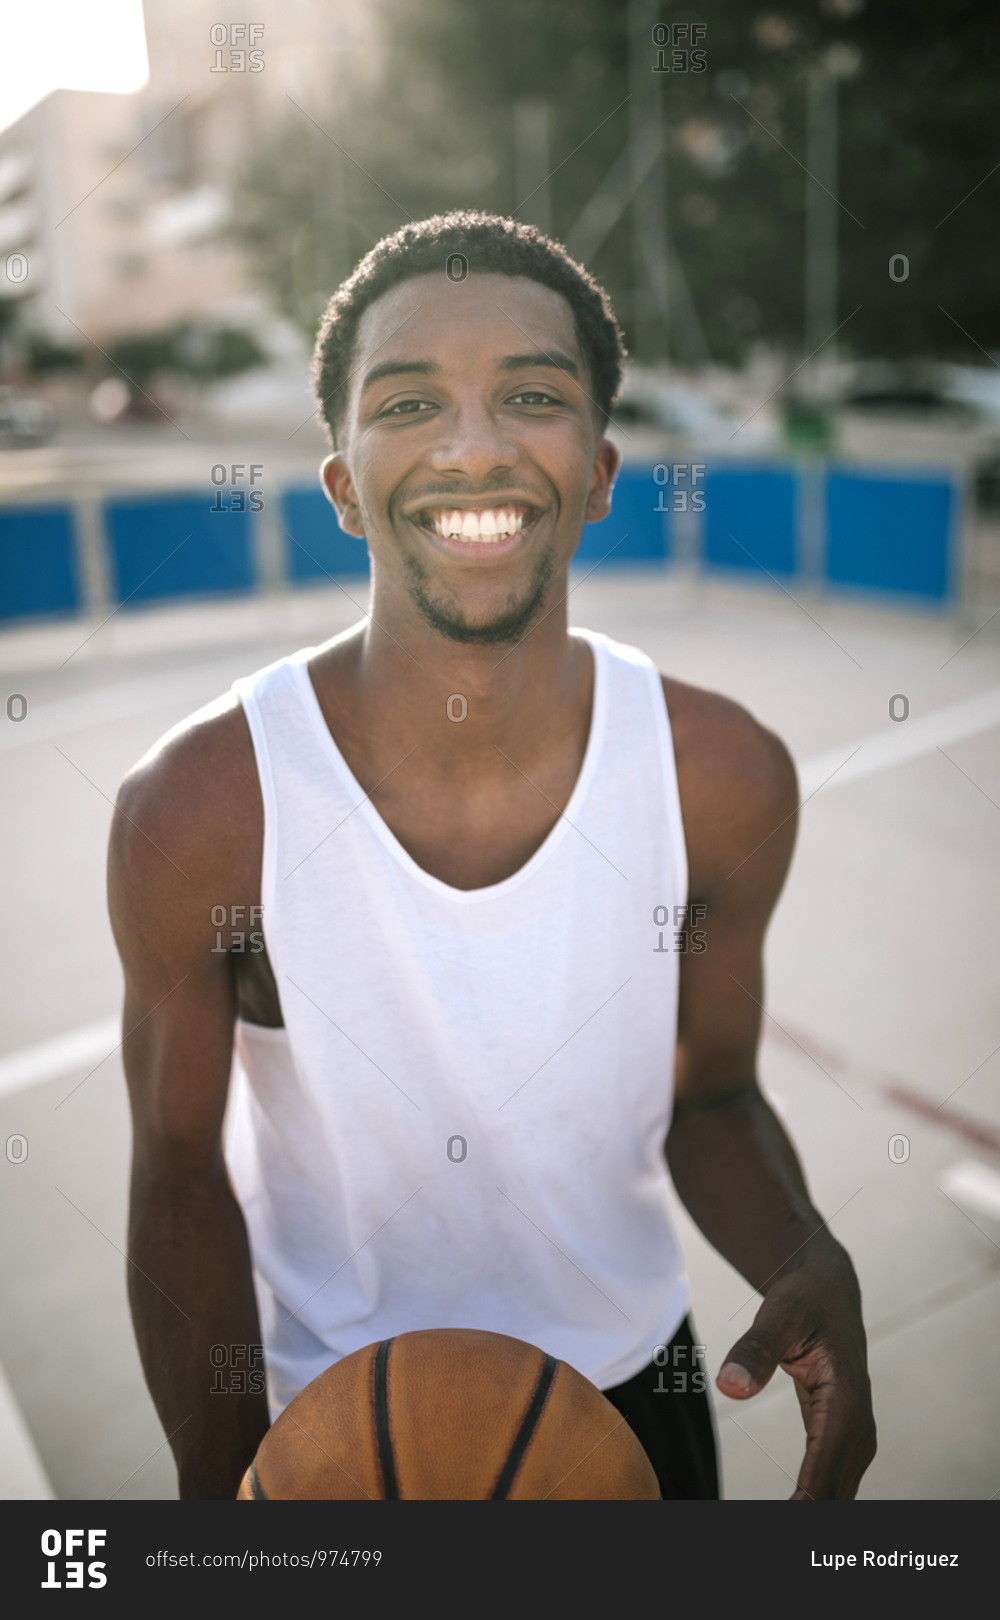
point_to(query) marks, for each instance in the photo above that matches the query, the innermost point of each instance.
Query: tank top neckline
(298, 663)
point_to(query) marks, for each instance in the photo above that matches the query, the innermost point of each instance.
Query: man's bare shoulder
(736, 777)
(195, 795)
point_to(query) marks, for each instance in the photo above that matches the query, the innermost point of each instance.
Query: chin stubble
(509, 625)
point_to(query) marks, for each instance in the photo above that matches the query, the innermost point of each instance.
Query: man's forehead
(508, 313)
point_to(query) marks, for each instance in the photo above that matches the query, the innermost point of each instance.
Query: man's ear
(607, 462)
(339, 490)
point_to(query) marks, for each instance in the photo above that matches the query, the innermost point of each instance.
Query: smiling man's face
(471, 451)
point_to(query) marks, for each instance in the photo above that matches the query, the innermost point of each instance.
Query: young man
(469, 1058)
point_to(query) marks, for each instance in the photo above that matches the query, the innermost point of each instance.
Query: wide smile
(479, 533)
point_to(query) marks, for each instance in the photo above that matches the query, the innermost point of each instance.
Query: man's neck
(466, 703)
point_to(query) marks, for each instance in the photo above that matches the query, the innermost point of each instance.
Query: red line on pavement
(973, 1131)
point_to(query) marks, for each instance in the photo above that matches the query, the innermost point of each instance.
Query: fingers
(840, 1445)
(831, 1384)
(775, 1332)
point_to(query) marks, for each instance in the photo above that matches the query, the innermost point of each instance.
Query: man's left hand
(810, 1325)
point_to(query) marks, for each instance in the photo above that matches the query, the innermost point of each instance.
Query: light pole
(822, 207)
(649, 215)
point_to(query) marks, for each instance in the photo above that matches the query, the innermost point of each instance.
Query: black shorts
(667, 1407)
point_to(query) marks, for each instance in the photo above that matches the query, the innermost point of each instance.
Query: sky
(69, 45)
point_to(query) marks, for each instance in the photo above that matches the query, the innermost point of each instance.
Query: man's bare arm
(182, 842)
(731, 1160)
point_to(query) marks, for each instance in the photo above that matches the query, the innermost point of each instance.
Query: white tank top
(462, 1122)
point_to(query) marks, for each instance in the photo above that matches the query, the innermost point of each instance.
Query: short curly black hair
(487, 242)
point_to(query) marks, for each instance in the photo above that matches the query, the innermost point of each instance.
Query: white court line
(78, 1049)
(22, 1476)
(906, 739)
(974, 1185)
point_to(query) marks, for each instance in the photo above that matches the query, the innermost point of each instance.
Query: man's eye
(534, 396)
(405, 407)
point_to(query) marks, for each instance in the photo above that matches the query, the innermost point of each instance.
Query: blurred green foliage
(191, 348)
(919, 128)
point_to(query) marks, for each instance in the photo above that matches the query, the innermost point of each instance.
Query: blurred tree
(919, 128)
(45, 358)
(188, 348)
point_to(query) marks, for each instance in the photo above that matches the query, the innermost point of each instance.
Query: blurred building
(114, 208)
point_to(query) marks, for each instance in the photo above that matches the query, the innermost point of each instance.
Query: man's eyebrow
(398, 368)
(510, 362)
(540, 357)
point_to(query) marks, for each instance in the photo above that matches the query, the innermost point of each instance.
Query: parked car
(25, 419)
(651, 409)
(922, 387)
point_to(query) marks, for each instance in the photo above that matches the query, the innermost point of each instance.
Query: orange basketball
(450, 1414)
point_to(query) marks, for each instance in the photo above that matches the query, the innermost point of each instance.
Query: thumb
(752, 1360)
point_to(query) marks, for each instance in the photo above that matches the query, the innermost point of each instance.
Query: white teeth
(493, 523)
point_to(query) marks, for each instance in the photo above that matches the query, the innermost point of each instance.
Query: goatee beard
(509, 625)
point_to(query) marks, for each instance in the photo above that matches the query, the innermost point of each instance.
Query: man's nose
(473, 441)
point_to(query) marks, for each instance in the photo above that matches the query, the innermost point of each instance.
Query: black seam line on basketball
(527, 1429)
(256, 1488)
(382, 1423)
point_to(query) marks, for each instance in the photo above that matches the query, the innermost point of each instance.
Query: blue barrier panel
(38, 572)
(889, 532)
(177, 545)
(750, 519)
(636, 529)
(315, 544)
